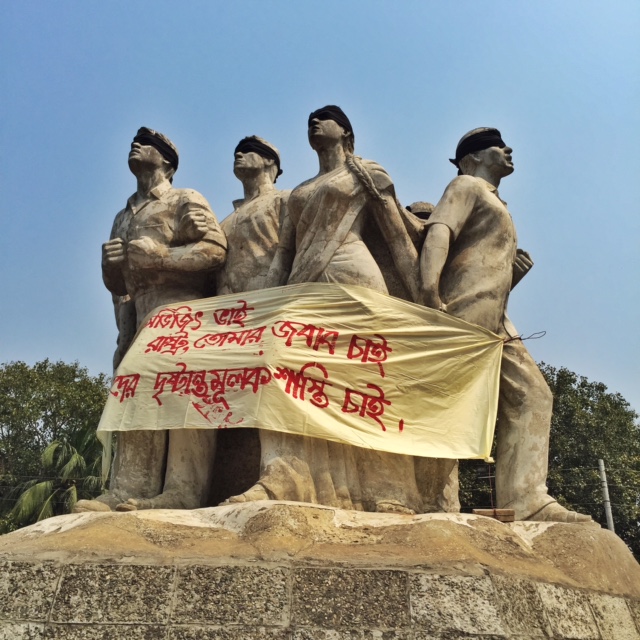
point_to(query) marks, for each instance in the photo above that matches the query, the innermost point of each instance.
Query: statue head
(151, 150)
(254, 155)
(330, 124)
(483, 147)
(421, 209)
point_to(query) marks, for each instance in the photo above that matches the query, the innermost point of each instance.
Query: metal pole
(605, 495)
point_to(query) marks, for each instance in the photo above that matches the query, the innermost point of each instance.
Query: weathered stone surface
(634, 607)
(613, 617)
(568, 612)
(582, 556)
(105, 632)
(455, 603)
(21, 631)
(228, 633)
(590, 556)
(285, 571)
(27, 590)
(231, 595)
(336, 598)
(425, 635)
(112, 593)
(520, 606)
(350, 634)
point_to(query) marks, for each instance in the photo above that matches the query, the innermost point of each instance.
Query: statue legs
(437, 480)
(522, 437)
(187, 480)
(388, 482)
(138, 470)
(304, 469)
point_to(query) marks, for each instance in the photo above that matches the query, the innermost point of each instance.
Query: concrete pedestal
(287, 571)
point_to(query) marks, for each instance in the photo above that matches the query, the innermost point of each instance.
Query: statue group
(345, 225)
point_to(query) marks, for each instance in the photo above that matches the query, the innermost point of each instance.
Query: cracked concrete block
(634, 607)
(613, 617)
(455, 635)
(231, 595)
(21, 631)
(323, 634)
(27, 590)
(568, 612)
(105, 632)
(114, 593)
(520, 607)
(455, 603)
(192, 632)
(334, 598)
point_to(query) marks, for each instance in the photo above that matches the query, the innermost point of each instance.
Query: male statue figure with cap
(470, 262)
(164, 246)
(252, 228)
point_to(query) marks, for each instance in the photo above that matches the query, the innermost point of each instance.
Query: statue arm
(199, 243)
(403, 251)
(113, 256)
(395, 224)
(521, 266)
(434, 256)
(444, 226)
(283, 259)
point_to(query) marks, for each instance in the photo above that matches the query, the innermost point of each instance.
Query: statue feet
(553, 512)
(391, 506)
(257, 492)
(166, 500)
(105, 502)
(87, 506)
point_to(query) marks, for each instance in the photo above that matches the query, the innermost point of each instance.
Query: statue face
(145, 158)
(497, 160)
(248, 164)
(325, 131)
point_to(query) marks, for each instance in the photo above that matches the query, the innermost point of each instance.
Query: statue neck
(488, 175)
(256, 185)
(331, 158)
(148, 181)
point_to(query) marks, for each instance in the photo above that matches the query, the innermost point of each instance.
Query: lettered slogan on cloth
(324, 360)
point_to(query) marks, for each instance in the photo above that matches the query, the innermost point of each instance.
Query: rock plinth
(290, 571)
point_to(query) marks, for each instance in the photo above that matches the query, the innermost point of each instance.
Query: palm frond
(75, 466)
(92, 485)
(49, 454)
(70, 497)
(47, 507)
(31, 500)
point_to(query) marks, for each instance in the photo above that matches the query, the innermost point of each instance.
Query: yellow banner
(325, 360)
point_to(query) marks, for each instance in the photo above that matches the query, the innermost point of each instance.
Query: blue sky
(561, 80)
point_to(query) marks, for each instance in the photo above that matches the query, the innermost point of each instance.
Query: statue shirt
(159, 218)
(476, 278)
(252, 236)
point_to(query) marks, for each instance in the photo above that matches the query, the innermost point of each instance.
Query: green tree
(589, 423)
(48, 416)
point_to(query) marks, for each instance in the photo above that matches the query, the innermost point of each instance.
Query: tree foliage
(589, 423)
(48, 450)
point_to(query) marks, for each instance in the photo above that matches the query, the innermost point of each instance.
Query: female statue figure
(323, 239)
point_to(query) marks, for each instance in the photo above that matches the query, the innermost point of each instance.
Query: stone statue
(164, 246)
(469, 264)
(252, 228)
(421, 209)
(322, 241)
(252, 236)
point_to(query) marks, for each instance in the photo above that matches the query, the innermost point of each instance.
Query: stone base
(288, 571)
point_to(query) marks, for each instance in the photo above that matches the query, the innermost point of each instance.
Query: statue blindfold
(332, 112)
(477, 142)
(252, 144)
(148, 137)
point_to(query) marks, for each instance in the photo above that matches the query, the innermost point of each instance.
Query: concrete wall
(270, 601)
